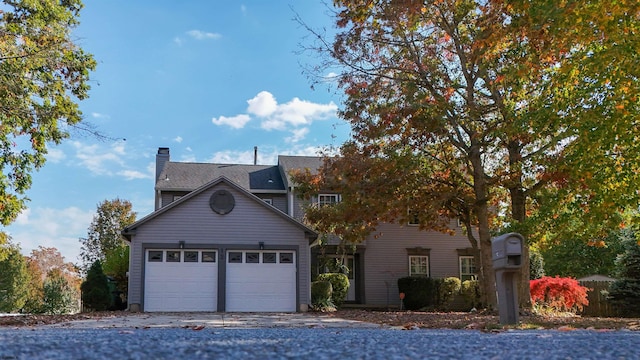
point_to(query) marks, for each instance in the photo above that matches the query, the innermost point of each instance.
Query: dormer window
(328, 199)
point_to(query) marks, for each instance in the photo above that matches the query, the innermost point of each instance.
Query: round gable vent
(222, 202)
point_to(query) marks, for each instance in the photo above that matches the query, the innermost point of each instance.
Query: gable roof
(288, 163)
(130, 230)
(179, 176)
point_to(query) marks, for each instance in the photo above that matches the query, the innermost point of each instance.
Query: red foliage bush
(560, 294)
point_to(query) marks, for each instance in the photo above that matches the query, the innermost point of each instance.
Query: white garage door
(181, 280)
(261, 281)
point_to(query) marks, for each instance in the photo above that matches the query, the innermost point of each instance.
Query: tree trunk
(519, 214)
(482, 212)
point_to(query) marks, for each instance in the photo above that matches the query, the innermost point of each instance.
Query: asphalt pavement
(313, 343)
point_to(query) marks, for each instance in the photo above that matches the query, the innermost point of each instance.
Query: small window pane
(253, 258)
(286, 258)
(269, 258)
(190, 256)
(208, 256)
(173, 256)
(235, 257)
(155, 256)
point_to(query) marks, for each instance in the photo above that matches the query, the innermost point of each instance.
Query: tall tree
(42, 75)
(54, 285)
(13, 280)
(104, 235)
(476, 109)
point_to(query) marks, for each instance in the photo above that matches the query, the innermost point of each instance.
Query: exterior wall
(386, 259)
(279, 200)
(196, 224)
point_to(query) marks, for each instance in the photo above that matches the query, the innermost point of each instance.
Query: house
(228, 237)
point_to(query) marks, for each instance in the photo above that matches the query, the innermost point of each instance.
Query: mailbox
(507, 251)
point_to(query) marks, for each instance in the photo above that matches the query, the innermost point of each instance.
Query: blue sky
(209, 79)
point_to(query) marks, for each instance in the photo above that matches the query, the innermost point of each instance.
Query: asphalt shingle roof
(179, 176)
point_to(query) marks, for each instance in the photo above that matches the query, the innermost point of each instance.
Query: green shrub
(536, 264)
(419, 292)
(95, 289)
(321, 292)
(470, 291)
(340, 285)
(447, 289)
(624, 293)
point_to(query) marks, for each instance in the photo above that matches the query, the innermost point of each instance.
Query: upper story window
(328, 199)
(414, 220)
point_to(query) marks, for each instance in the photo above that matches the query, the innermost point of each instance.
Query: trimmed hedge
(427, 293)
(339, 283)
(321, 292)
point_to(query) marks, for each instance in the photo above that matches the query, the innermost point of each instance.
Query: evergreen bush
(321, 292)
(95, 289)
(624, 293)
(470, 291)
(419, 292)
(340, 285)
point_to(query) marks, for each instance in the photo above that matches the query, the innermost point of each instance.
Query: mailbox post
(507, 261)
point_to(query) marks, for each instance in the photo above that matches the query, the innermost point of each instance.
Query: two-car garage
(219, 248)
(187, 280)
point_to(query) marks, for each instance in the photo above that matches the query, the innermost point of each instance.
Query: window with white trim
(328, 199)
(418, 265)
(467, 268)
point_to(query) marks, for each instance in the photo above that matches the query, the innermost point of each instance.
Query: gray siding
(387, 260)
(194, 222)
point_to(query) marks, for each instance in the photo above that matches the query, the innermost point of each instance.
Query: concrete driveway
(213, 320)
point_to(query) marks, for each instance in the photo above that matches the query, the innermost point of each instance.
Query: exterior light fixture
(261, 244)
(181, 243)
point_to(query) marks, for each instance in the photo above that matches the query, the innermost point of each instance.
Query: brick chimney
(161, 159)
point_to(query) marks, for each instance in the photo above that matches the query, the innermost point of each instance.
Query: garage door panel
(261, 286)
(181, 286)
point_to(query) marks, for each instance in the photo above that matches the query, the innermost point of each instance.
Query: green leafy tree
(95, 289)
(578, 258)
(497, 113)
(104, 234)
(59, 296)
(14, 279)
(116, 265)
(42, 75)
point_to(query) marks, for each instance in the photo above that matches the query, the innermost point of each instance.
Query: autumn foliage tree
(43, 74)
(510, 115)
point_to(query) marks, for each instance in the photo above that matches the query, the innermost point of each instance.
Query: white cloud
(96, 159)
(113, 160)
(177, 41)
(134, 174)
(49, 227)
(55, 155)
(99, 115)
(236, 122)
(178, 139)
(263, 104)
(297, 135)
(203, 35)
(293, 116)
(297, 113)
